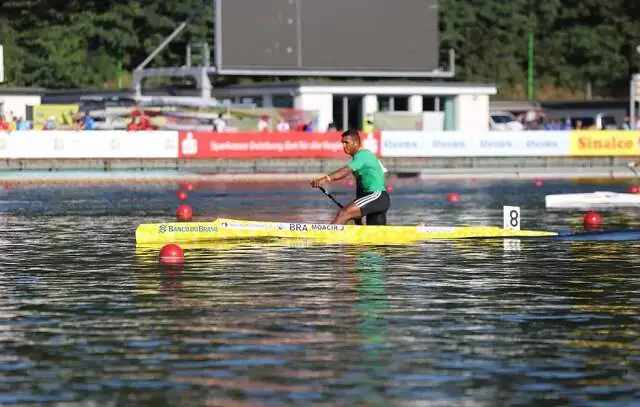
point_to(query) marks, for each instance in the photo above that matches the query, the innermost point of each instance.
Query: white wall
(472, 112)
(319, 102)
(18, 104)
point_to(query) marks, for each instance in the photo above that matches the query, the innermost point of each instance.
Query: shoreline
(171, 177)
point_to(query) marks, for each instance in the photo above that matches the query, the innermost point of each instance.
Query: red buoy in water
(171, 254)
(184, 213)
(633, 189)
(592, 220)
(453, 197)
(538, 182)
(182, 195)
(189, 187)
(389, 188)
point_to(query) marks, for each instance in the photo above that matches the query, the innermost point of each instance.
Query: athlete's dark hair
(352, 134)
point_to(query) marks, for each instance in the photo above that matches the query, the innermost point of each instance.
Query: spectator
(50, 124)
(308, 127)
(626, 124)
(4, 126)
(23, 124)
(143, 123)
(566, 124)
(263, 123)
(282, 126)
(133, 124)
(220, 124)
(87, 122)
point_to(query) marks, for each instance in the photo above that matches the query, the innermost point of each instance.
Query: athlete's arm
(341, 173)
(336, 175)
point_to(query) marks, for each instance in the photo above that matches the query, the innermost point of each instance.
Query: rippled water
(85, 317)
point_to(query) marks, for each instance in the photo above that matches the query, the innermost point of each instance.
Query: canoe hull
(234, 229)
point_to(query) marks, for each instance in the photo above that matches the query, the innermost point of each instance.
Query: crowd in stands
(540, 121)
(139, 120)
(11, 123)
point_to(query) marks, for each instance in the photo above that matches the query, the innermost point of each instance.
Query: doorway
(347, 112)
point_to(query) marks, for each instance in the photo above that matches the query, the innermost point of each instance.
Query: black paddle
(324, 191)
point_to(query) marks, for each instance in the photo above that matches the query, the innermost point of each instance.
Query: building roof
(21, 91)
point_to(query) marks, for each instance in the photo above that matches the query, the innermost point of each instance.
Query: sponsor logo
(189, 145)
(448, 144)
(301, 227)
(605, 143)
(495, 144)
(542, 144)
(436, 229)
(186, 229)
(408, 144)
(609, 143)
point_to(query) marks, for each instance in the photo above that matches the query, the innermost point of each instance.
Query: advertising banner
(89, 144)
(249, 145)
(474, 144)
(605, 143)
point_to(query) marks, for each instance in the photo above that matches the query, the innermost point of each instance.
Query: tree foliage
(94, 43)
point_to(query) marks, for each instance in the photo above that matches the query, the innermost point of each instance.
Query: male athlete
(372, 199)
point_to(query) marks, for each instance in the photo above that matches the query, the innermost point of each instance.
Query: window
(283, 101)
(384, 104)
(429, 104)
(393, 103)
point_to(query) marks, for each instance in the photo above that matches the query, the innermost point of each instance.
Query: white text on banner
(89, 144)
(480, 144)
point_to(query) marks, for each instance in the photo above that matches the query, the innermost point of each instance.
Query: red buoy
(592, 220)
(453, 197)
(633, 189)
(389, 188)
(182, 195)
(189, 187)
(184, 213)
(538, 182)
(171, 254)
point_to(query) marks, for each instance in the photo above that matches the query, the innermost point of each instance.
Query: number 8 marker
(511, 217)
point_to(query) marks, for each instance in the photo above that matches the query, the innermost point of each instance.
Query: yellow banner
(605, 143)
(62, 115)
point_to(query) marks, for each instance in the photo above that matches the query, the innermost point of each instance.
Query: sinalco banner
(605, 143)
(475, 144)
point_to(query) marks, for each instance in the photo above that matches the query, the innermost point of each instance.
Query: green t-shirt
(368, 172)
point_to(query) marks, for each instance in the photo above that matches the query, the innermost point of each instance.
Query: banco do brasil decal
(298, 227)
(605, 143)
(186, 229)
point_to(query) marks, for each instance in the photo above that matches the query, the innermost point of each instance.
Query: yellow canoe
(234, 229)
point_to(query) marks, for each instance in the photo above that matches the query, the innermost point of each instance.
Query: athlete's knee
(347, 213)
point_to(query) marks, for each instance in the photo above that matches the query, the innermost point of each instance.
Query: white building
(463, 106)
(18, 101)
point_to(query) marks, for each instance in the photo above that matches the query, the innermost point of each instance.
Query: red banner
(195, 144)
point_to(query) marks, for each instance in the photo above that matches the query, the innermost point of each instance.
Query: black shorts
(373, 203)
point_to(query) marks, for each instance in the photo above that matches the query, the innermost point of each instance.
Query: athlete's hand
(316, 183)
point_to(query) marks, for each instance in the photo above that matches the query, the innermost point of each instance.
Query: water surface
(87, 317)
